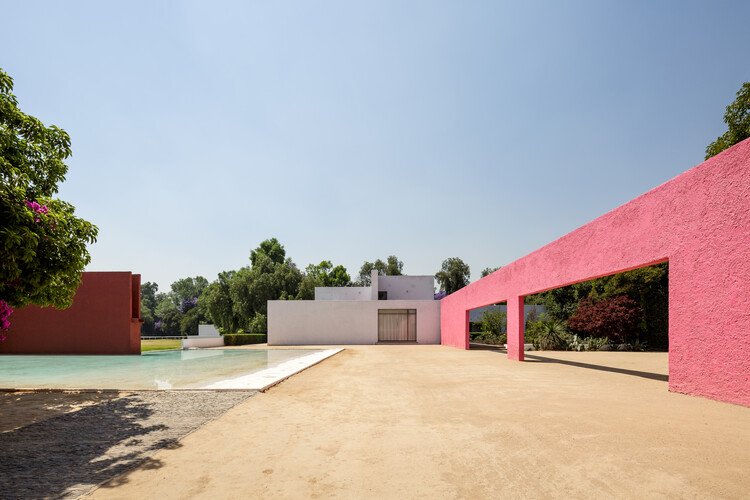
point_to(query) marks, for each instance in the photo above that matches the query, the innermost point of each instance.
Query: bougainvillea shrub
(615, 318)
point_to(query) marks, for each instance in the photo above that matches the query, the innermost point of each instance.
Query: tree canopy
(453, 275)
(489, 270)
(237, 300)
(391, 267)
(323, 274)
(44, 245)
(737, 118)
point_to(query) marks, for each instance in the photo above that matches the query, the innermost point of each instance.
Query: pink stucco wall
(700, 223)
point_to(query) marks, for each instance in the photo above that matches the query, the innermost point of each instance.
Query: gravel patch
(66, 455)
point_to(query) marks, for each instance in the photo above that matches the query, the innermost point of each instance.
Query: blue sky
(353, 130)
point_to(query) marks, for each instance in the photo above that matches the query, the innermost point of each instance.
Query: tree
(737, 118)
(323, 274)
(453, 275)
(188, 289)
(270, 248)
(43, 243)
(217, 301)
(391, 267)
(488, 270)
(266, 279)
(615, 318)
(259, 324)
(148, 305)
(493, 321)
(191, 318)
(148, 295)
(167, 316)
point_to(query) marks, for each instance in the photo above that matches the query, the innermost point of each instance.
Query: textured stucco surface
(700, 223)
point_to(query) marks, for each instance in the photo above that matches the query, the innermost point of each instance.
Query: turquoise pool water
(191, 369)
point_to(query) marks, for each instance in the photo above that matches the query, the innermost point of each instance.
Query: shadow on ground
(67, 455)
(536, 358)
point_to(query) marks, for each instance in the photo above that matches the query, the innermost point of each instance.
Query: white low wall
(336, 322)
(202, 342)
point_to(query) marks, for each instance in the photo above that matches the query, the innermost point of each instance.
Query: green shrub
(492, 338)
(494, 322)
(637, 345)
(259, 323)
(245, 338)
(596, 343)
(549, 334)
(576, 343)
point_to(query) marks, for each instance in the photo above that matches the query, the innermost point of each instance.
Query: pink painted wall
(700, 223)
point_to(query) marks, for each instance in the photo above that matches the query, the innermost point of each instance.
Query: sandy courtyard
(436, 422)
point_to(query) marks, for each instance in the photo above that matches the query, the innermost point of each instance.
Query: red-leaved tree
(615, 318)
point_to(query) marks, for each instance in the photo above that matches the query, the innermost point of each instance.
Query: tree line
(237, 300)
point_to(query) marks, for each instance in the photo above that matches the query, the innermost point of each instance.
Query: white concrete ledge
(202, 342)
(264, 379)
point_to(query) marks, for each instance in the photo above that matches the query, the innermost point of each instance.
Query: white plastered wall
(334, 322)
(408, 287)
(343, 293)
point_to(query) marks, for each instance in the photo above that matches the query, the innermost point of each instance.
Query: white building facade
(391, 309)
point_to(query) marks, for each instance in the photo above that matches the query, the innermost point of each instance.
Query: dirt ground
(436, 422)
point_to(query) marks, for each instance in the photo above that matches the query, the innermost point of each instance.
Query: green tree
(239, 286)
(737, 118)
(148, 305)
(391, 267)
(258, 324)
(323, 274)
(190, 319)
(493, 322)
(270, 248)
(148, 294)
(268, 278)
(167, 316)
(43, 243)
(453, 275)
(488, 270)
(187, 289)
(217, 301)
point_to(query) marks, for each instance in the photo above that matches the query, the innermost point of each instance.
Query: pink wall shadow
(699, 222)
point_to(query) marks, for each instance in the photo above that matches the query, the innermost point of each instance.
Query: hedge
(244, 338)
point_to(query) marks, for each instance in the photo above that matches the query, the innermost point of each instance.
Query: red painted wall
(104, 319)
(700, 223)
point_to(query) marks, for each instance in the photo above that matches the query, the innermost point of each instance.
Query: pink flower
(37, 208)
(5, 312)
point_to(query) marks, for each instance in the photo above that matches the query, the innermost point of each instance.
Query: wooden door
(397, 325)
